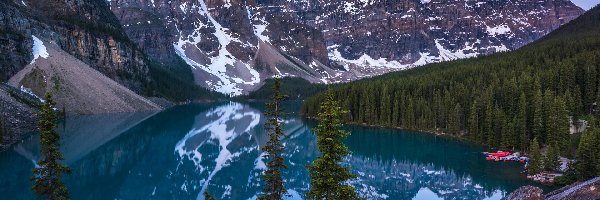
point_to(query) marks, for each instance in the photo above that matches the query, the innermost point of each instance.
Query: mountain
(503, 100)
(85, 29)
(77, 88)
(232, 46)
(90, 32)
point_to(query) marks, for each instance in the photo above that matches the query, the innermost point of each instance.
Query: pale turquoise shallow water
(180, 152)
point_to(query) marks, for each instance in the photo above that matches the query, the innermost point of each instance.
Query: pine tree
(207, 196)
(488, 122)
(578, 102)
(535, 164)
(590, 88)
(562, 123)
(521, 123)
(474, 123)
(328, 176)
(3, 131)
(47, 176)
(597, 107)
(274, 185)
(552, 160)
(585, 165)
(386, 107)
(549, 119)
(454, 119)
(537, 118)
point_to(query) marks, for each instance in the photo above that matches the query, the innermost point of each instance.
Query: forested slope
(293, 87)
(504, 100)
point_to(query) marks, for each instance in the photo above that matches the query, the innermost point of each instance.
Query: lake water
(182, 151)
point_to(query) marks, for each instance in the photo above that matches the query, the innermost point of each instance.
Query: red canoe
(501, 154)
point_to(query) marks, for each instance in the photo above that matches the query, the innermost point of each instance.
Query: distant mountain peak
(233, 46)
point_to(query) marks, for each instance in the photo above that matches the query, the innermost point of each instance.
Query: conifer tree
(537, 118)
(549, 119)
(552, 160)
(488, 122)
(590, 87)
(597, 108)
(328, 176)
(454, 119)
(562, 123)
(207, 196)
(535, 164)
(47, 175)
(578, 102)
(385, 110)
(3, 131)
(473, 122)
(585, 164)
(274, 185)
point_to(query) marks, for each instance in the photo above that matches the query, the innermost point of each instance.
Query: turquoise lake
(182, 151)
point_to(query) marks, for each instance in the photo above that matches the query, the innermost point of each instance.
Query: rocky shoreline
(21, 119)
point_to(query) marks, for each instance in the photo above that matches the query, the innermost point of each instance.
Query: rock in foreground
(526, 193)
(587, 190)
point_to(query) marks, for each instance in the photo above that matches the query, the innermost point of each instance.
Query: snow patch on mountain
(39, 50)
(260, 28)
(364, 61)
(227, 83)
(349, 8)
(498, 30)
(447, 55)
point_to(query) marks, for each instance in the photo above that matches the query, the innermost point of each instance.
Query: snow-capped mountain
(234, 45)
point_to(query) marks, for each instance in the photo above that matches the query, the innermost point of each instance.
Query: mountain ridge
(328, 41)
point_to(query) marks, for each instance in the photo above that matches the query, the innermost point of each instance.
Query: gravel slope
(78, 88)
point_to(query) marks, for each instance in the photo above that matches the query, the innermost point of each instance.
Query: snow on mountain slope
(233, 46)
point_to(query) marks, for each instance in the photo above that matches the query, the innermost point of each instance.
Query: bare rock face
(86, 29)
(233, 45)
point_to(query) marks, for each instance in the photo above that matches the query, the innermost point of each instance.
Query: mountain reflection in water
(185, 150)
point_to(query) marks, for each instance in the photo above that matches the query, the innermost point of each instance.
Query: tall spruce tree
(274, 188)
(473, 123)
(454, 119)
(585, 164)
(537, 118)
(47, 175)
(590, 87)
(328, 176)
(535, 164)
(552, 159)
(562, 123)
(3, 130)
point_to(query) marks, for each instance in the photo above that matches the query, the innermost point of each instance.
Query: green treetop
(534, 165)
(552, 159)
(328, 176)
(274, 185)
(48, 172)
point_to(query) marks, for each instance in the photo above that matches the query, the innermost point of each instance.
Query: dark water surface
(180, 152)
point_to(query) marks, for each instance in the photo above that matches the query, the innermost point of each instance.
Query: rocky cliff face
(86, 29)
(233, 45)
